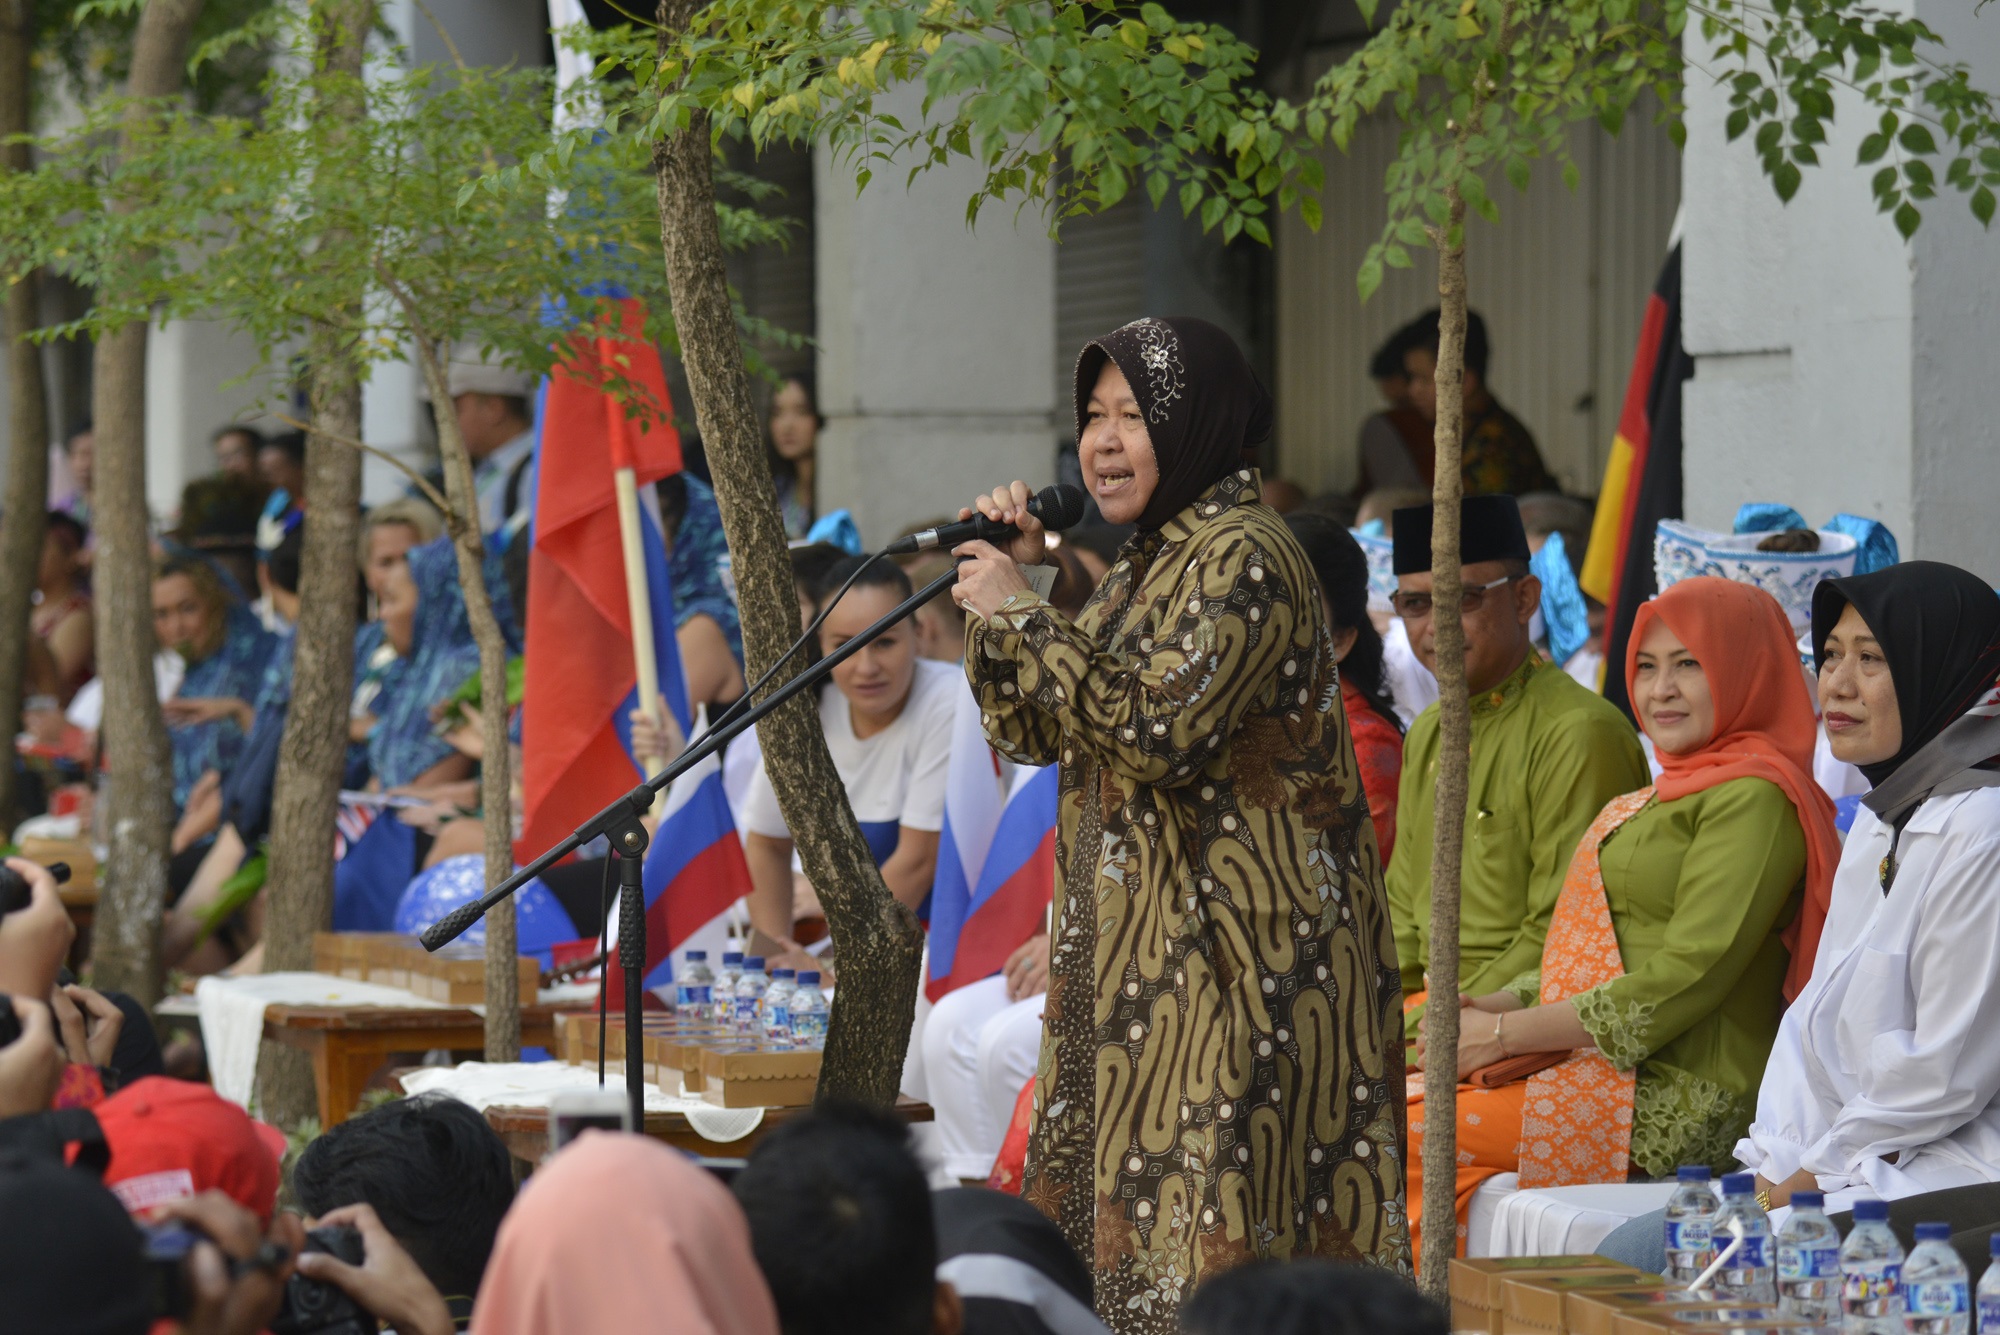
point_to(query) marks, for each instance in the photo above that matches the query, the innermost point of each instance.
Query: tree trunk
(26, 502)
(306, 796)
(878, 941)
(135, 738)
(503, 988)
(1454, 752)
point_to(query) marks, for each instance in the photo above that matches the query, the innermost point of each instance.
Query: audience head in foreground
(1013, 1271)
(840, 1216)
(1310, 1297)
(437, 1176)
(620, 1233)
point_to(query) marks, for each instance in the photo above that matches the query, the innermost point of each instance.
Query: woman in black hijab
(1885, 1076)
(1221, 1058)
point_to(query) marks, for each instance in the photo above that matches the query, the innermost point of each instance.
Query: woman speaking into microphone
(1221, 1070)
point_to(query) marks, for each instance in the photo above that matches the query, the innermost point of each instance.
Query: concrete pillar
(935, 344)
(1837, 367)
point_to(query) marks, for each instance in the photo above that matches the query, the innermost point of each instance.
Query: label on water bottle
(779, 1025)
(1754, 1254)
(746, 1011)
(1870, 1290)
(1808, 1262)
(1935, 1297)
(1689, 1235)
(687, 996)
(1989, 1314)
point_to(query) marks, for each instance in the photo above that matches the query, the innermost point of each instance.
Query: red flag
(579, 641)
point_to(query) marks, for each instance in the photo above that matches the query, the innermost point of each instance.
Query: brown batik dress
(1221, 1067)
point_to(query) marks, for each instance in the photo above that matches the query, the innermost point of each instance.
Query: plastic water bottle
(725, 986)
(694, 987)
(1690, 1222)
(750, 989)
(808, 1011)
(1989, 1292)
(777, 1015)
(1935, 1301)
(1871, 1271)
(1809, 1263)
(1751, 1275)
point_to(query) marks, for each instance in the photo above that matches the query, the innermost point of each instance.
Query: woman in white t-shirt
(887, 717)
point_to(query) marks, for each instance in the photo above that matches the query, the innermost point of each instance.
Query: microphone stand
(621, 824)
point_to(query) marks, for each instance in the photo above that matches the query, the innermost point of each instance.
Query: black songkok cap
(1489, 529)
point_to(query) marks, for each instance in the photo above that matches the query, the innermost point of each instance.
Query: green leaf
(1310, 213)
(1212, 211)
(1257, 231)
(1872, 148)
(1157, 186)
(1368, 277)
(1916, 138)
(1738, 122)
(1785, 180)
(1982, 206)
(1465, 28)
(1570, 177)
(1517, 173)
(1908, 219)
(1190, 196)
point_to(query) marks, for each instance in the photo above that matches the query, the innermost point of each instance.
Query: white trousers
(978, 1050)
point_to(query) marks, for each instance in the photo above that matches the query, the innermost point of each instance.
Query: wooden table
(526, 1130)
(349, 1044)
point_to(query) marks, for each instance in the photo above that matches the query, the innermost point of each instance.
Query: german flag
(1642, 482)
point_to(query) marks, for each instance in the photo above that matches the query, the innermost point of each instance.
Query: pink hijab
(620, 1233)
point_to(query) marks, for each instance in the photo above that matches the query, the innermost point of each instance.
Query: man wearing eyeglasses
(1547, 754)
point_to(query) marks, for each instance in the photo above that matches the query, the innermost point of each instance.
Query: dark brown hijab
(1202, 402)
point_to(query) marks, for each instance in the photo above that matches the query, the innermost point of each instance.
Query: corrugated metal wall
(1561, 282)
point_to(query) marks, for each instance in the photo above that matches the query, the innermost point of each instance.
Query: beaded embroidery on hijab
(1202, 403)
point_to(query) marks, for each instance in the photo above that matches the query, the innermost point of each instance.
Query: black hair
(86, 427)
(810, 564)
(1310, 1297)
(780, 465)
(67, 524)
(256, 437)
(291, 444)
(841, 1222)
(281, 563)
(1424, 333)
(436, 1173)
(1387, 363)
(1342, 569)
(867, 573)
(672, 492)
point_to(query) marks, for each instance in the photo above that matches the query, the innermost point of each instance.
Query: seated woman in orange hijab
(1690, 913)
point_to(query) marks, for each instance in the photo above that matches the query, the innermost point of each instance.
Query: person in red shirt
(1342, 571)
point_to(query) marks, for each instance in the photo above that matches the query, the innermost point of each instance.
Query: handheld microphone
(1058, 507)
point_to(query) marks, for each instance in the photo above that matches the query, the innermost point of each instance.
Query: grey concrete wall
(935, 346)
(1838, 368)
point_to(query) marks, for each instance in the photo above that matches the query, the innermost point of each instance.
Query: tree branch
(423, 483)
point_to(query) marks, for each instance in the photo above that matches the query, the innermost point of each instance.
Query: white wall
(935, 346)
(189, 365)
(1836, 367)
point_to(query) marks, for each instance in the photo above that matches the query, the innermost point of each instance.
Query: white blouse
(1893, 1049)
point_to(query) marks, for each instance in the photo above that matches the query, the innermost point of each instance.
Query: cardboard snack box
(1596, 1311)
(1475, 1284)
(1714, 1318)
(457, 974)
(1537, 1304)
(755, 1075)
(348, 954)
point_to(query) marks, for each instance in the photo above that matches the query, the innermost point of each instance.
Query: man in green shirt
(1547, 754)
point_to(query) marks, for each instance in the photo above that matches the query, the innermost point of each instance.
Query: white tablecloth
(232, 1014)
(1554, 1221)
(533, 1084)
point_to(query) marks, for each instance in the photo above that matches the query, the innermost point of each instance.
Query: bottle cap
(732, 957)
(784, 973)
(1871, 1211)
(810, 977)
(1808, 1200)
(1693, 1172)
(1738, 1184)
(698, 955)
(753, 962)
(1933, 1232)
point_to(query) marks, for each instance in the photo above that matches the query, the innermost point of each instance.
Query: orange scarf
(1576, 1119)
(1764, 726)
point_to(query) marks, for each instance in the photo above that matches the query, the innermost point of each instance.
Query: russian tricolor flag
(575, 736)
(996, 859)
